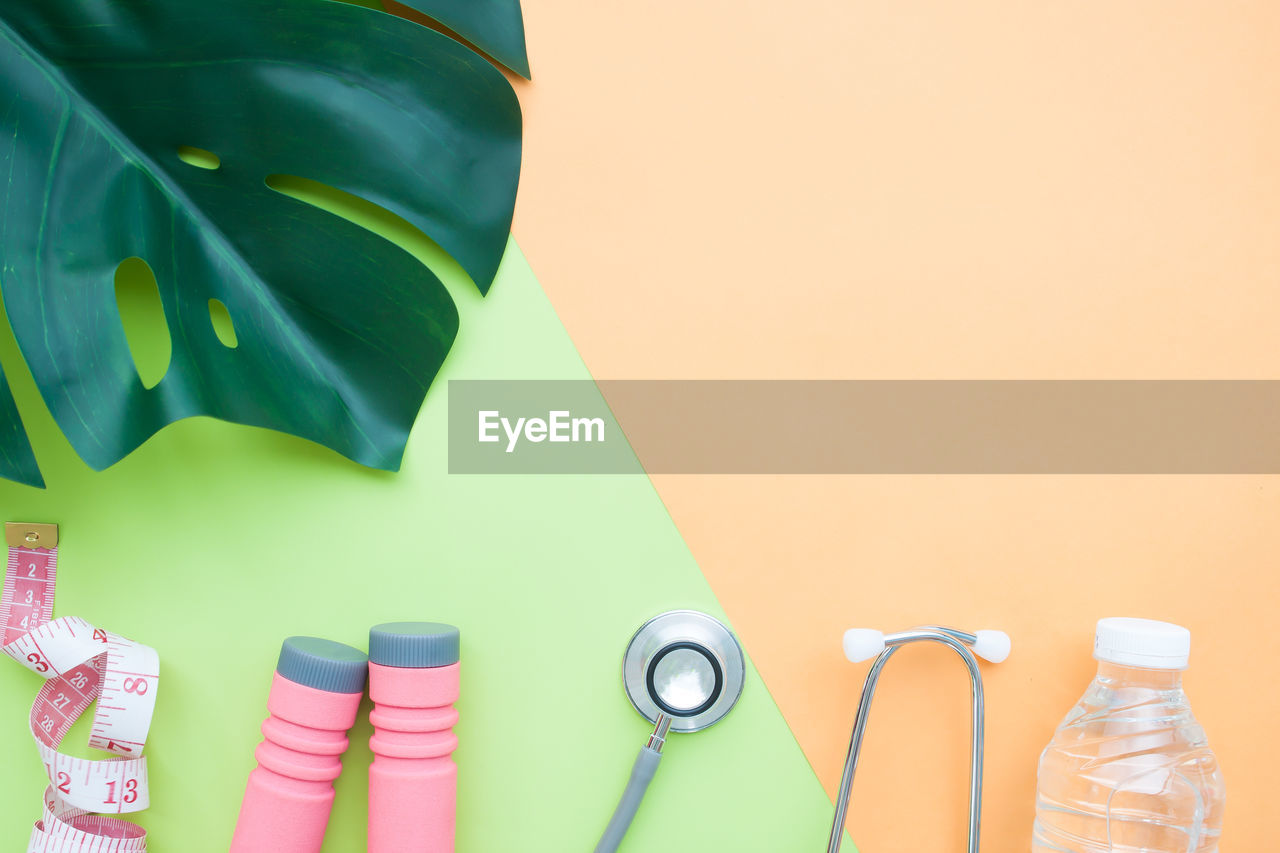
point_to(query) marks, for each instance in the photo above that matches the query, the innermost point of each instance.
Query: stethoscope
(683, 671)
(863, 643)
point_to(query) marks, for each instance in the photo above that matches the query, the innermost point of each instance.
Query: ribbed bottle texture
(290, 793)
(413, 778)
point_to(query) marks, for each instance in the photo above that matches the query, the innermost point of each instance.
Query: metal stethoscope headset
(684, 671)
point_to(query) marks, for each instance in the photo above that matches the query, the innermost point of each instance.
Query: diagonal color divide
(216, 542)
(924, 190)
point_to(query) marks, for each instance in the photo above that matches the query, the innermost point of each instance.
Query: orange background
(930, 189)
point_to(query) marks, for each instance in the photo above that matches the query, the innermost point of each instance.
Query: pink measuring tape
(79, 663)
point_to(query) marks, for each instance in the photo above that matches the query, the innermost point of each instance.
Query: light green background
(214, 542)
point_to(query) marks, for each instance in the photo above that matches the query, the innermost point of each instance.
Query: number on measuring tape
(80, 663)
(130, 792)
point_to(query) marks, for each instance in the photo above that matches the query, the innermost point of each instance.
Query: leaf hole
(142, 316)
(199, 158)
(220, 317)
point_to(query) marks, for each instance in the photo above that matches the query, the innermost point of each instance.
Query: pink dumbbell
(413, 782)
(314, 697)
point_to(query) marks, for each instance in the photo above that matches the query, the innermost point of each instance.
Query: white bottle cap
(1142, 642)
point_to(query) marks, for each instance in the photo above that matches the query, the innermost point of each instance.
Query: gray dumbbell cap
(323, 664)
(415, 645)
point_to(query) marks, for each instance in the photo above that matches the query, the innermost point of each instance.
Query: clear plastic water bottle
(1130, 769)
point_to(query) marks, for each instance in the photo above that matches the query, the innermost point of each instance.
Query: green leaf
(494, 26)
(337, 332)
(17, 462)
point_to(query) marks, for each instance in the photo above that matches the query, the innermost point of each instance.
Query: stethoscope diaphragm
(684, 664)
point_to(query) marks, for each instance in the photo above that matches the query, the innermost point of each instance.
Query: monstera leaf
(495, 26)
(337, 332)
(17, 462)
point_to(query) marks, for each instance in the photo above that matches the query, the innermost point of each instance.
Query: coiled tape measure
(80, 663)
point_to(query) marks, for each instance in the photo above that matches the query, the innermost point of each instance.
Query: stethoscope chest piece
(686, 665)
(683, 671)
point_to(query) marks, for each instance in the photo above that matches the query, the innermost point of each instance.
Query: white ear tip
(993, 646)
(863, 644)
